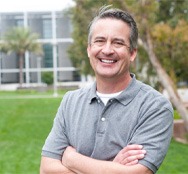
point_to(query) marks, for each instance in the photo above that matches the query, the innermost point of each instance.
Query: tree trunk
(165, 80)
(21, 58)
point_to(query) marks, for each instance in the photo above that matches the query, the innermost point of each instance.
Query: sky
(33, 5)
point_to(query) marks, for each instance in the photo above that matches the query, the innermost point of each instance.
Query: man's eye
(118, 43)
(99, 41)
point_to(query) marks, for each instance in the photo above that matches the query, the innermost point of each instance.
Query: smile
(108, 61)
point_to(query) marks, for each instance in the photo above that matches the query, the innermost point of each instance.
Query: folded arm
(85, 165)
(53, 166)
(129, 155)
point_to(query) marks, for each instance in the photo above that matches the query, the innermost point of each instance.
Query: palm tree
(20, 40)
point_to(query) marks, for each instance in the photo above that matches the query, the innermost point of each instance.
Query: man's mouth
(109, 61)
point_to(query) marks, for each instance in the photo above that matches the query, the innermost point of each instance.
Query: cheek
(125, 60)
(92, 61)
(93, 51)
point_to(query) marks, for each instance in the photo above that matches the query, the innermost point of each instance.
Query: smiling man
(117, 125)
(110, 54)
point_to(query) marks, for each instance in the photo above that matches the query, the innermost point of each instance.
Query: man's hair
(113, 13)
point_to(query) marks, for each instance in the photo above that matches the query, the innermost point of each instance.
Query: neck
(108, 86)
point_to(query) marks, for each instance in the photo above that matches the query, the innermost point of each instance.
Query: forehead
(109, 27)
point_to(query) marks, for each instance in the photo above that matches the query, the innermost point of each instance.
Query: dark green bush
(47, 77)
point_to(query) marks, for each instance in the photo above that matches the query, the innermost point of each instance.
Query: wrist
(69, 156)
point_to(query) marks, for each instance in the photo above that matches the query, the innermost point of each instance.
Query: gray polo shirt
(139, 115)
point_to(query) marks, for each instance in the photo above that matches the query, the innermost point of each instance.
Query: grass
(25, 123)
(176, 159)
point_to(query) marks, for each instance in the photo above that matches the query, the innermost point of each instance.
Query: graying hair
(107, 12)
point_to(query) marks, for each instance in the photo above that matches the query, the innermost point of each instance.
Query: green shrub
(176, 115)
(47, 77)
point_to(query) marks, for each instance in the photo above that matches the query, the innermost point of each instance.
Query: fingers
(130, 155)
(132, 163)
(132, 147)
(131, 160)
(133, 153)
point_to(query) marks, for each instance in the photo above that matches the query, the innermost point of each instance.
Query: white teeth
(107, 61)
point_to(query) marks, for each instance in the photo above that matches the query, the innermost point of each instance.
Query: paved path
(29, 97)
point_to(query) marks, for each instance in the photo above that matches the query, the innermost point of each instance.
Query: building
(54, 29)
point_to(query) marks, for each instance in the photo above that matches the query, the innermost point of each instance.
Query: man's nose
(107, 48)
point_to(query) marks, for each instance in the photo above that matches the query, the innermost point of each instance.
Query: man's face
(109, 51)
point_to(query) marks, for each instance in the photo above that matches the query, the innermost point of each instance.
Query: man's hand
(130, 155)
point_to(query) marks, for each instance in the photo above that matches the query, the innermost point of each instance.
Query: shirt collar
(125, 97)
(92, 93)
(130, 92)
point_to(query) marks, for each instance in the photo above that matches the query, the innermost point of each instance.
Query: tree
(144, 11)
(172, 44)
(20, 40)
(172, 10)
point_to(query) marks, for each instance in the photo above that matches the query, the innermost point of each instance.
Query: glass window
(48, 55)
(19, 23)
(47, 29)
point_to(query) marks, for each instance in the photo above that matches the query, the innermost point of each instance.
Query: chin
(106, 75)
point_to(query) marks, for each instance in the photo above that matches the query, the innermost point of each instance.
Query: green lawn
(24, 125)
(176, 160)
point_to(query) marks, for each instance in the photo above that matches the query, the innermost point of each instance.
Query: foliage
(176, 115)
(47, 77)
(171, 11)
(20, 40)
(148, 43)
(3, 48)
(170, 41)
(171, 47)
(144, 11)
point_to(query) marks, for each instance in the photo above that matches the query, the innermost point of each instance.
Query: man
(101, 129)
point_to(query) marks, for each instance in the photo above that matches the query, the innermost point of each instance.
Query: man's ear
(133, 55)
(88, 51)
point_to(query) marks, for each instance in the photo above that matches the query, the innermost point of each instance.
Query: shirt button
(103, 119)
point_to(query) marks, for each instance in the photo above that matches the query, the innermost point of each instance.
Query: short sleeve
(57, 140)
(154, 132)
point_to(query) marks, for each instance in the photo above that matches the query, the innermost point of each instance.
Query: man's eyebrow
(99, 37)
(119, 39)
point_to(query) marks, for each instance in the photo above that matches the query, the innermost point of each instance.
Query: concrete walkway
(29, 97)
